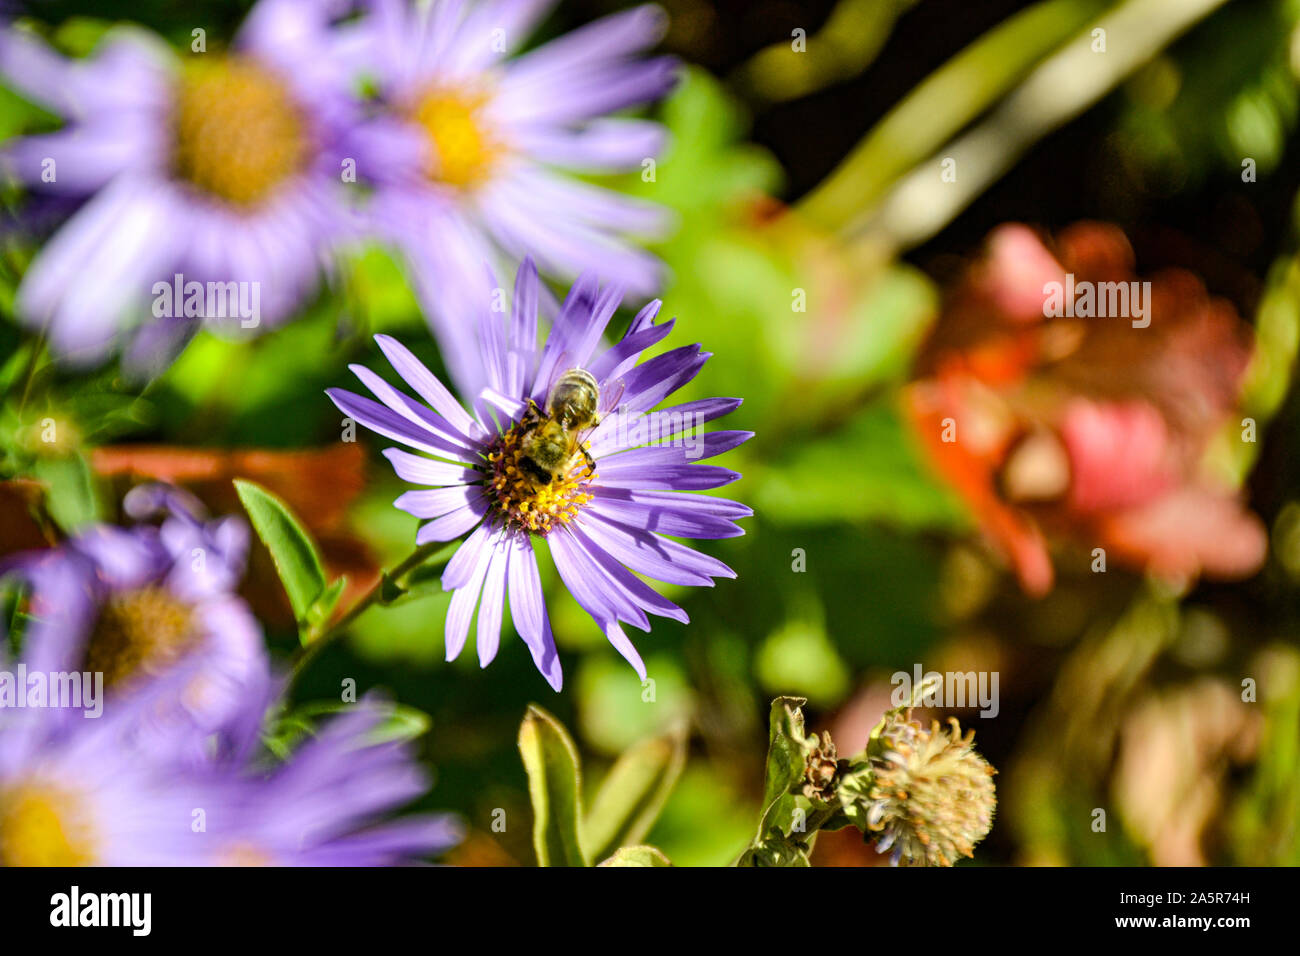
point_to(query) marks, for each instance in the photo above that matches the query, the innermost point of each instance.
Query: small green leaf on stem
(296, 559)
(555, 788)
(634, 792)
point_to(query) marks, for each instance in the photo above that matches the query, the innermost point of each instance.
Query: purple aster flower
(88, 793)
(471, 154)
(562, 446)
(320, 807)
(132, 604)
(212, 166)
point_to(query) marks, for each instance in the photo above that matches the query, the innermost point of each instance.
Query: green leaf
(633, 793)
(638, 856)
(555, 788)
(71, 501)
(322, 609)
(787, 758)
(296, 558)
(403, 724)
(777, 842)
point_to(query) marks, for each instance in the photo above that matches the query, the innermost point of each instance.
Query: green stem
(29, 374)
(852, 36)
(305, 655)
(942, 105)
(1068, 82)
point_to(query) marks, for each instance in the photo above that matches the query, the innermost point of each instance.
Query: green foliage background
(893, 575)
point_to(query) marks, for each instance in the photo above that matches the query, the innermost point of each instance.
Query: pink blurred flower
(1091, 430)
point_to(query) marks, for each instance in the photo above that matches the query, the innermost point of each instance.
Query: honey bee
(553, 438)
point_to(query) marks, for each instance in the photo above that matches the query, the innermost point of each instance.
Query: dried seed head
(932, 796)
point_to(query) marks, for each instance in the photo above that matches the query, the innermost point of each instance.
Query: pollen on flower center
(142, 630)
(463, 149)
(238, 132)
(43, 826)
(527, 503)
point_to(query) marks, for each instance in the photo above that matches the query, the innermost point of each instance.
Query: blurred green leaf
(555, 788)
(382, 294)
(638, 856)
(1224, 93)
(634, 792)
(800, 657)
(78, 36)
(944, 103)
(616, 711)
(296, 559)
(72, 500)
(403, 724)
(887, 481)
(1265, 824)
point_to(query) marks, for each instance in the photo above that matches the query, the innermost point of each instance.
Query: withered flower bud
(932, 796)
(822, 772)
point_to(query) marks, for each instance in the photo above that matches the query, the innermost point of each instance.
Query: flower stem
(306, 654)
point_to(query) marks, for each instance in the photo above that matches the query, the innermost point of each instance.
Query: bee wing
(610, 396)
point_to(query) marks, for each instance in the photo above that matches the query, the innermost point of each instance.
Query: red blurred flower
(1088, 429)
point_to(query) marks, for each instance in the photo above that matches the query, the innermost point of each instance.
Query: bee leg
(532, 417)
(591, 462)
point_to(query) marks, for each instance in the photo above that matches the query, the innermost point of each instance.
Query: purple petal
(631, 474)
(618, 358)
(575, 317)
(651, 550)
(386, 422)
(455, 523)
(413, 411)
(665, 519)
(427, 386)
(641, 551)
(522, 352)
(645, 596)
(435, 502)
(425, 471)
(618, 429)
(599, 595)
(464, 601)
(461, 566)
(490, 607)
(652, 381)
(528, 609)
(673, 449)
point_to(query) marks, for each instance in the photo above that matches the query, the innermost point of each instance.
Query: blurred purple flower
(601, 527)
(86, 793)
(319, 808)
(132, 604)
(216, 167)
(471, 156)
(92, 793)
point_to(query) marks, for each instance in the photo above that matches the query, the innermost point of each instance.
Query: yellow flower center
(238, 131)
(43, 826)
(244, 854)
(145, 630)
(527, 503)
(464, 151)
